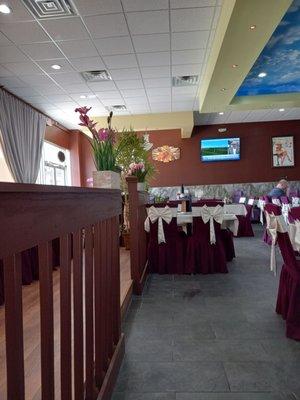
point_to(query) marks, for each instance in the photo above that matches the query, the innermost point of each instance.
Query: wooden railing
(91, 343)
(138, 238)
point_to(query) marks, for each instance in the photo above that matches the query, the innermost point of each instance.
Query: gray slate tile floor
(212, 337)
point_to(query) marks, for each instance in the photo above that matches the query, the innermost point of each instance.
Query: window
(55, 166)
(5, 175)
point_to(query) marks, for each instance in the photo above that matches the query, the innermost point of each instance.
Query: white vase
(141, 186)
(106, 180)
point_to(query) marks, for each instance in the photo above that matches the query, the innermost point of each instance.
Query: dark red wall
(256, 159)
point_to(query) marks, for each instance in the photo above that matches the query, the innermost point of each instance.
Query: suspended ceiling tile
(87, 63)
(5, 71)
(24, 32)
(115, 45)
(188, 56)
(142, 99)
(65, 65)
(37, 79)
(156, 72)
(130, 84)
(190, 40)
(188, 69)
(144, 5)
(109, 94)
(159, 99)
(191, 19)
(20, 12)
(152, 42)
(154, 59)
(94, 7)
(159, 91)
(68, 78)
(181, 90)
(120, 61)
(4, 40)
(157, 82)
(148, 22)
(191, 3)
(125, 73)
(23, 68)
(102, 86)
(12, 82)
(133, 92)
(76, 88)
(41, 51)
(78, 48)
(66, 28)
(25, 92)
(11, 54)
(101, 26)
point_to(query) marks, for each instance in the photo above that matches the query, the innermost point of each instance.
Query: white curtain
(22, 136)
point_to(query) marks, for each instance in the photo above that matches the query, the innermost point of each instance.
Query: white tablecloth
(236, 209)
(230, 221)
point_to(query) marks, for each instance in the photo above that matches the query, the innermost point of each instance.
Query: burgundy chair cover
(284, 200)
(294, 214)
(245, 227)
(202, 256)
(288, 299)
(169, 257)
(237, 194)
(292, 193)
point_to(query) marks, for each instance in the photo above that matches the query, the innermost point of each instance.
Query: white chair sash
(160, 214)
(275, 223)
(277, 202)
(210, 214)
(285, 208)
(261, 205)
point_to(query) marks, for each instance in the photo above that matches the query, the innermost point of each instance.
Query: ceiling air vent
(44, 9)
(96, 76)
(186, 80)
(116, 107)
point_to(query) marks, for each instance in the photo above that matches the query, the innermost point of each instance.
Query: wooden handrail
(86, 221)
(138, 238)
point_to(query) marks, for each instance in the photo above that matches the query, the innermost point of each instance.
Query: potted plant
(140, 171)
(105, 149)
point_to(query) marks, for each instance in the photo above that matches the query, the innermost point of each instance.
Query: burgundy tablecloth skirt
(30, 266)
(227, 238)
(288, 301)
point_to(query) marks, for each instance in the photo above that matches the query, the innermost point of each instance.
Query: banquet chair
(203, 256)
(294, 214)
(237, 194)
(288, 299)
(245, 227)
(255, 213)
(167, 257)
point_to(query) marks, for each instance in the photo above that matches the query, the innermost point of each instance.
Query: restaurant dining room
(149, 199)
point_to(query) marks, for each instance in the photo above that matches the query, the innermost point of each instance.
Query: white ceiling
(142, 43)
(246, 116)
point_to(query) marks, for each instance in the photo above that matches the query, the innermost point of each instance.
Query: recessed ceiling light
(234, 65)
(223, 89)
(92, 96)
(56, 66)
(262, 74)
(281, 109)
(221, 113)
(83, 96)
(252, 27)
(4, 9)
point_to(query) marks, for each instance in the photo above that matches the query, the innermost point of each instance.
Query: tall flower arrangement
(103, 141)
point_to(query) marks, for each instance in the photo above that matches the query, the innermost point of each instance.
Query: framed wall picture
(283, 151)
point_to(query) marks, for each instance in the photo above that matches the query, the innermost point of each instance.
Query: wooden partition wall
(138, 237)
(91, 344)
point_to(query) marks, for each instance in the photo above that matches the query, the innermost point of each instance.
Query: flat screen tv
(220, 149)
